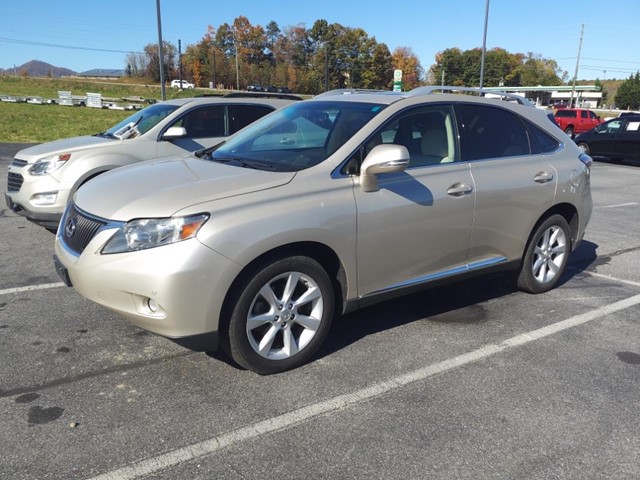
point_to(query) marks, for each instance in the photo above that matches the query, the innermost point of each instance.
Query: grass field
(26, 123)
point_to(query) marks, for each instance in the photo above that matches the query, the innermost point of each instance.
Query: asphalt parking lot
(471, 381)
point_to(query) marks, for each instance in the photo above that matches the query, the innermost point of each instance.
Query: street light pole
(484, 43)
(160, 53)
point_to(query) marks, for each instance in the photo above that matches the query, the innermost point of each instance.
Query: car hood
(160, 188)
(68, 145)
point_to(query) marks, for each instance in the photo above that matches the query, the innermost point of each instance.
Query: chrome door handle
(459, 189)
(543, 177)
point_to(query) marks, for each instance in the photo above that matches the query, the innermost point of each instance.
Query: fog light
(153, 305)
(45, 198)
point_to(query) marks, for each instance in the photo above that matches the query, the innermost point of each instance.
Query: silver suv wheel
(546, 256)
(281, 314)
(284, 315)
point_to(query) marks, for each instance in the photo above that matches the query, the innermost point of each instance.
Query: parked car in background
(616, 139)
(576, 120)
(184, 84)
(328, 205)
(41, 179)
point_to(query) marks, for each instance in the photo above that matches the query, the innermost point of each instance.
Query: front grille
(18, 163)
(14, 182)
(78, 229)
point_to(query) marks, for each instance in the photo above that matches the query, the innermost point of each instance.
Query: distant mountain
(36, 68)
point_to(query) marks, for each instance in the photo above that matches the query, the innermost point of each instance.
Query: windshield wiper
(206, 152)
(244, 162)
(104, 135)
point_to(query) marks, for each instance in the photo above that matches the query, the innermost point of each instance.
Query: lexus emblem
(70, 227)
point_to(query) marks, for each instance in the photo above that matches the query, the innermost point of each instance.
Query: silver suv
(325, 206)
(41, 179)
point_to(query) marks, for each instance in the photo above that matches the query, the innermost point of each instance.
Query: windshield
(144, 119)
(297, 137)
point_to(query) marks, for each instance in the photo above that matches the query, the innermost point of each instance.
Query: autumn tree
(405, 59)
(462, 68)
(169, 52)
(628, 95)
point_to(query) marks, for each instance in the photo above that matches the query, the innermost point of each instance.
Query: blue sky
(41, 29)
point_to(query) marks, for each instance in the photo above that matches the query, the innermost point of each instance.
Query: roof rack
(283, 96)
(353, 91)
(429, 90)
(480, 91)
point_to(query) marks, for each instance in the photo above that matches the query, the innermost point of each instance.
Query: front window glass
(297, 137)
(201, 122)
(609, 127)
(145, 119)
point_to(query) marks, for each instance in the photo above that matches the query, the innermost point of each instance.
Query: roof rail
(352, 91)
(282, 96)
(480, 91)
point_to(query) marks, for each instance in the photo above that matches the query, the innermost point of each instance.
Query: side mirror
(174, 132)
(386, 158)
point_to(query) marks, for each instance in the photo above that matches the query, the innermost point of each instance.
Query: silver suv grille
(78, 229)
(14, 182)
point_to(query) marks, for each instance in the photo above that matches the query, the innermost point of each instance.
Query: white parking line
(630, 204)
(295, 417)
(28, 288)
(609, 277)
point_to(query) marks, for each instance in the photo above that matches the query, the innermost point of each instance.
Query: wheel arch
(570, 214)
(321, 253)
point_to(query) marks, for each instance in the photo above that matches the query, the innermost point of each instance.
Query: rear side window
(242, 115)
(541, 141)
(566, 113)
(491, 132)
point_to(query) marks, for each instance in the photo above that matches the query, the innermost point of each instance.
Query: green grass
(27, 123)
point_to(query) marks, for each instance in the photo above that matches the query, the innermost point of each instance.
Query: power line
(70, 47)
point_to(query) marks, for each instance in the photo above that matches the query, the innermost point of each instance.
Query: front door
(417, 227)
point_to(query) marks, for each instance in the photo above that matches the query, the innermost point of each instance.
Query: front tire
(584, 147)
(546, 256)
(281, 315)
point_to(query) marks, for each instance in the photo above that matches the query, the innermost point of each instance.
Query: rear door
(514, 183)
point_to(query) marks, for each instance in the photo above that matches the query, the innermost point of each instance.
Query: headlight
(154, 232)
(49, 164)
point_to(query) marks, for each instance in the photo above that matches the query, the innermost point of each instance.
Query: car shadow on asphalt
(454, 303)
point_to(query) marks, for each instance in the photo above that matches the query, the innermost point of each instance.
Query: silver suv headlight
(49, 164)
(154, 232)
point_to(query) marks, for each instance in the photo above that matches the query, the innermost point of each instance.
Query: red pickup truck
(576, 120)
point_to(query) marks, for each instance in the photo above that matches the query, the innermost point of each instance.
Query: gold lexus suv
(322, 207)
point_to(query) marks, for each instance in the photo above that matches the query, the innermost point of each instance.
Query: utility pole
(484, 43)
(180, 60)
(235, 41)
(442, 81)
(213, 51)
(575, 75)
(326, 67)
(161, 53)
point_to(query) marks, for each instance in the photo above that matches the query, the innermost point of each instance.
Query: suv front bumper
(44, 219)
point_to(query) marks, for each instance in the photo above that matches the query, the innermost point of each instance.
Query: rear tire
(569, 131)
(281, 315)
(546, 256)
